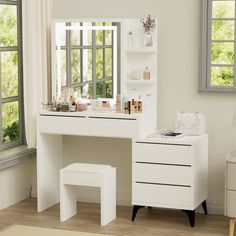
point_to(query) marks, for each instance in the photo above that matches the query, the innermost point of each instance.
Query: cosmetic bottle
(118, 103)
(140, 104)
(132, 106)
(146, 74)
(130, 39)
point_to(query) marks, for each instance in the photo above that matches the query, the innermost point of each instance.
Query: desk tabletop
(95, 114)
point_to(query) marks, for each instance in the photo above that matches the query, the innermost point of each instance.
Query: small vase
(148, 39)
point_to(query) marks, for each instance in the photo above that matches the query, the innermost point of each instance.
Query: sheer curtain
(36, 61)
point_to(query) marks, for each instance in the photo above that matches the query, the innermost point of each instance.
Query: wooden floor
(148, 222)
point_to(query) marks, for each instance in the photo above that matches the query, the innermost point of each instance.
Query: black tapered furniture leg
(191, 216)
(135, 210)
(204, 206)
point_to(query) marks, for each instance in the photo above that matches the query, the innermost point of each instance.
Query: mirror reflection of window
(86, 59)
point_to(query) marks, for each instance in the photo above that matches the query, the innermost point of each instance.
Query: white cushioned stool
(92, 175)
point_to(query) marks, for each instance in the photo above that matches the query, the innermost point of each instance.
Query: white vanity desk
(166, 172)
(51, 126)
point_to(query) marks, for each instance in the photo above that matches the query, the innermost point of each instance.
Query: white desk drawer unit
(170, 173)
(230, 192)
(89, 124)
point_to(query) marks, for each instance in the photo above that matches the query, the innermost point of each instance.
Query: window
(218, 63)
(86, 58)
(11, 119)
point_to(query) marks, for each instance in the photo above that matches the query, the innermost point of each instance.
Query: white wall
(15, 183)
(178, 74)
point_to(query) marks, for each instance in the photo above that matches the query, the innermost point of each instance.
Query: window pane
(87, 90)
(99, 63)
(222, 30)
(10, 122)
(9, 74)
(108, 23)
(223, 9)
(108, 37)
(108, 89)
(108, 61)
(75, 66)
(87, 65)
(75, 35)
(99, 89)
(61, 68)
(60, 34)
(99, 34)
(8, 25)
(78, 91)
(87, 35)
(222, 53)
(222, 76)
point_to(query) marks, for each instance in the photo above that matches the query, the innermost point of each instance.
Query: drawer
(164, 174)
(113, 127)
(232, 176)
(161, 153)
(62, 125)
(231, 203)
(162, 196)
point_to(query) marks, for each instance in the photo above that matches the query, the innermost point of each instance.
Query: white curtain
(36, 61)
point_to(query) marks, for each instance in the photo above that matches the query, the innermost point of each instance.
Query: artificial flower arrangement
(149, 24)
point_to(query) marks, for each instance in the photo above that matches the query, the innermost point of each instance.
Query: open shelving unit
(138, 57)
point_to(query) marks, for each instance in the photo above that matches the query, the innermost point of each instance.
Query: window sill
(15, 155)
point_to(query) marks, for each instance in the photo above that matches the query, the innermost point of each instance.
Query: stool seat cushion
(87, 167)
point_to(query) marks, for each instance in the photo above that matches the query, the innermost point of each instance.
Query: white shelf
(140, 50)
(141, 82)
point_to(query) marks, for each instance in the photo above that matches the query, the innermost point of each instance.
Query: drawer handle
(111, 118)
(172, 185)
(167, 144)
(161, 164)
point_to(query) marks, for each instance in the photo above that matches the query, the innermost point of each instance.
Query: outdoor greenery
(222, 51)
(9, 73)
(82, 58)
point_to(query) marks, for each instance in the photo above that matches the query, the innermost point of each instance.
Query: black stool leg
(204, 206)
(135, 210)
(191, 216)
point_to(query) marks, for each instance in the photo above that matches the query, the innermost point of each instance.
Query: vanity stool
(91, 175)
(230, 192)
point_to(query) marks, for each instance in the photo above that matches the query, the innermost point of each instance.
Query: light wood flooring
(158, 222)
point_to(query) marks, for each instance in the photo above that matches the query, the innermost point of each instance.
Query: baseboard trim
(215, 207)
(92, 195)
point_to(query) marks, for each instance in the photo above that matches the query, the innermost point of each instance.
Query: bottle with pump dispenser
(146, 74)
(130, 39)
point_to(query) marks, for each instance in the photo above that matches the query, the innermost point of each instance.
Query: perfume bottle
(140, 104)
(118, 103)
(146, 74)
(130, 39)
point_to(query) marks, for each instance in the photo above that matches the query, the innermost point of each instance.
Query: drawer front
(161, 153)
(231, 203)
(232, 176)
(107, 127)
(162, 174)
(62, 125)
(162, 196)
